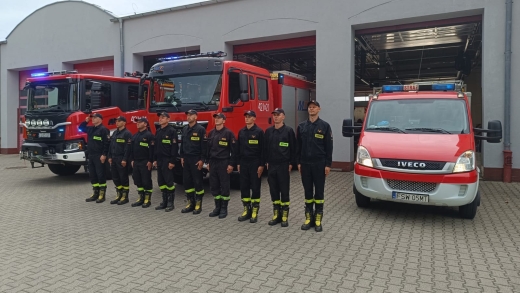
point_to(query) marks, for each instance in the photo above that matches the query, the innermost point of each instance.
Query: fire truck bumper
(38, 152)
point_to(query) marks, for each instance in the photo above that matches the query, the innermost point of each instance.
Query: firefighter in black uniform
(193, 155)
(166, 152)
(141, 156)
(314, 160)
(221, 156)
(251, 164)
(280, 153)
(118, 159)
(98, 138)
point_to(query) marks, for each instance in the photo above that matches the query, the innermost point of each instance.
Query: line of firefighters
(277, 149)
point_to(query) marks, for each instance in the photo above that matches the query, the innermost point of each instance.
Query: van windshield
(447, 116)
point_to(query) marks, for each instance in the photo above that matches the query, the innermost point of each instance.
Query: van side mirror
(494, 132)
(349, 130)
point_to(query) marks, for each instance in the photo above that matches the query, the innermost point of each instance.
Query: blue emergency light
(392, 88)
(443, 87)
(61, 72)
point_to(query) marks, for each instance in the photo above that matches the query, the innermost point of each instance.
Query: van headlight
(46, 122)
(363, 157)
(465, 163)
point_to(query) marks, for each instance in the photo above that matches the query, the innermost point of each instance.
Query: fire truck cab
(417, 145)
(58, 102)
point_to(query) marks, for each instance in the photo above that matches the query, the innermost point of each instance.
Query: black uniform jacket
(314, 142)
(280, 145)
(98, 139)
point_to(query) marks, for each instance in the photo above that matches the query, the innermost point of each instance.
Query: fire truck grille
(427, 164)
(411, 186)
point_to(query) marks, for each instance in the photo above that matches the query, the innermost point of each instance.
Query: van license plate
(42, 134)
(410, 196)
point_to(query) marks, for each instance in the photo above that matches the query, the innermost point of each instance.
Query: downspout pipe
(122, 47)
(508, 155)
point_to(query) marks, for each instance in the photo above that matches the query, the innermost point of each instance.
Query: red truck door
(264, 102)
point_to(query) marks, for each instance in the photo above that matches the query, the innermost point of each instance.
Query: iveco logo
(411, 164)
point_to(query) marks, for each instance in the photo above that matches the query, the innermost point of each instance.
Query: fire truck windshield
(448, 116)
(53, 96)
(183, 92)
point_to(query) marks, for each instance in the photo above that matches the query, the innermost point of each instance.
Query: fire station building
(346, 47)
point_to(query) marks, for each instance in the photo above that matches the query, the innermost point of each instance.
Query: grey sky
(13, 12)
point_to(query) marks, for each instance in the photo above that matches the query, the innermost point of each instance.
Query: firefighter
(166, 152)
(98, 138)
(250, 160)
(280, 152)
(193, 155)
(221, 156)
(118, 158)
(314, 160)
(141, 156)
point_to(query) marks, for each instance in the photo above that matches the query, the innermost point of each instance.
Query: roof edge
(58, 2)
(171, 9)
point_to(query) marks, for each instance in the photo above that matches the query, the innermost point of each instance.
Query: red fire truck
(58, 102)
(208, 84)
(417, 145)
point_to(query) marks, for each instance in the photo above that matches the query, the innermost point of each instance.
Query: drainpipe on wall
(508, 155)
(122, 47)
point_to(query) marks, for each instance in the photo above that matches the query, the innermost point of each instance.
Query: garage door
(99, 67)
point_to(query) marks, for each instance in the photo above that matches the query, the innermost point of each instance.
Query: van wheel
(469, 210)
(361, 200)
(64, 170)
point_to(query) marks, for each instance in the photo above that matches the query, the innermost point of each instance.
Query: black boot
(309, 218)
(254, 213)
(285, 216)
(223, 209)
(216, 211)
(318, 218)
(190, 204)
(198, 204)
(124, 197)
(162, 205)
(118, 196)
(246, 214)
(277, 217)
(102, 193)
(94, 196)
(171, 198)
(147, 199)
(140, 200)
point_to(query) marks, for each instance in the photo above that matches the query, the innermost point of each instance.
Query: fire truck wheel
(361, 200)
(470, 210)
(63, 170)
